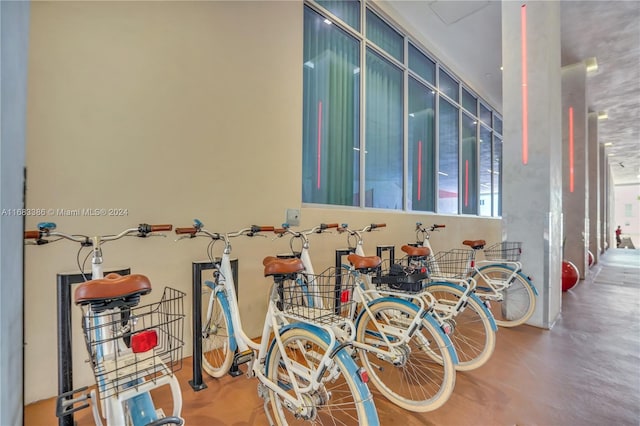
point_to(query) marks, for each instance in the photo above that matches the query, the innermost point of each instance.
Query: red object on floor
(570, 275)
(590, 259)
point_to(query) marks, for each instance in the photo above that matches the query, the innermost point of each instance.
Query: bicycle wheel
(473, 336)
(423, 377)
(342, 398)
(217, 353)
(518, 299)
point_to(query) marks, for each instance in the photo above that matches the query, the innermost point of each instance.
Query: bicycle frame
(495, 286)
(365, 294)
(136, 393)
(275, 320)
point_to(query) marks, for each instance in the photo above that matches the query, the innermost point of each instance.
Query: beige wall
(172, 110)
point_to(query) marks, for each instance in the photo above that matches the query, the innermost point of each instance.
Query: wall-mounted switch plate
(293, 217)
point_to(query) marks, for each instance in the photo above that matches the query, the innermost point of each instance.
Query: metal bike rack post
(340, 253)
(196, 318)
(65, 350)
(390, 249)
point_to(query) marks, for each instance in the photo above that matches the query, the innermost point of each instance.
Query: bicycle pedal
(243, 357)
(67, 404)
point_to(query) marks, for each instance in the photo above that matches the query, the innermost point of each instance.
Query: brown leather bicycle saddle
(474, 244)
(364, 262)
(276, 266)
(113, 286)
(415, 251)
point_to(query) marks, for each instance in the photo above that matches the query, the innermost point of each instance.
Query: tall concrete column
(594, 186)
(532, 151)
(575, 193)
(604, 199)
(14, 43)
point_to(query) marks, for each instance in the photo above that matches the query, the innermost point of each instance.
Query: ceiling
(467, 35)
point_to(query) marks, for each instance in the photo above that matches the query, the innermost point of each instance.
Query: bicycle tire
(518, 299)
(217, 347)
(473, 334)
(425, 379)
(344, 399)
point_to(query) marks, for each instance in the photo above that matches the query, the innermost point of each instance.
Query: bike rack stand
(197, 267)
(65, 352)
(390, 249)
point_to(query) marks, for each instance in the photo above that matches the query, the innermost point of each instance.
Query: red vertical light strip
(419, 169)
(571, 170)
(466, 183)
(525, 91)
(319, 141)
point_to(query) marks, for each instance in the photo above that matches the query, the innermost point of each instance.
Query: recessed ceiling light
(602, 115)
(608, 144)
(592, 64)
(611, 154)
(328, 22)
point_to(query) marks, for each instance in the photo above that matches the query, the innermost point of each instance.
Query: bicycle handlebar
(31, 235)
(299, 234)
(345, 228)
(192, 231)
(433, 227)
(45, 229)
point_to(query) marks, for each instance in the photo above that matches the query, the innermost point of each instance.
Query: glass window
(347, 10)
(331, 108)
(497, 176)
(448, 158)
(422, 65)
(485, 114)
(469, 102)
(421, 153)
(384, 134)
(485, 173)
(497, 124)
(469, 172)
(383, 35)
(448, 85)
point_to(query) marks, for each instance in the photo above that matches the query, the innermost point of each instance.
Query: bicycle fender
(473, 296)
(347, 361)
(222, 297)
(428, 317)
(510, 268)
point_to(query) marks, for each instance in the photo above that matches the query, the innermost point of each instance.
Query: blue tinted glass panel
(469, 102)
(485, 173)
(422, 65)
(347, 10)
(421, 185)
(497, 176)
(385, 36)
(469, 166)
(497, 124)
(331, 110)
(448, 158)
(384, 134)
(485, 114)
(448, 85)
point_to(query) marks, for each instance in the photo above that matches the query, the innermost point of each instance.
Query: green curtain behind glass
(330, 113)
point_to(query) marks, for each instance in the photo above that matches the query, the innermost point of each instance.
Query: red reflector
(423, 270)
(364, 376)
(345, 296)
(473, 263)
(144, 341)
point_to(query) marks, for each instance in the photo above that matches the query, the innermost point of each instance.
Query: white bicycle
(306, 375)
(133, 348)
(501, 284)
(410, 360)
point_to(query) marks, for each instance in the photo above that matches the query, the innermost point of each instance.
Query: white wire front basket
(324, 298)
(129, 346)
(456, 264)
(507, 250)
